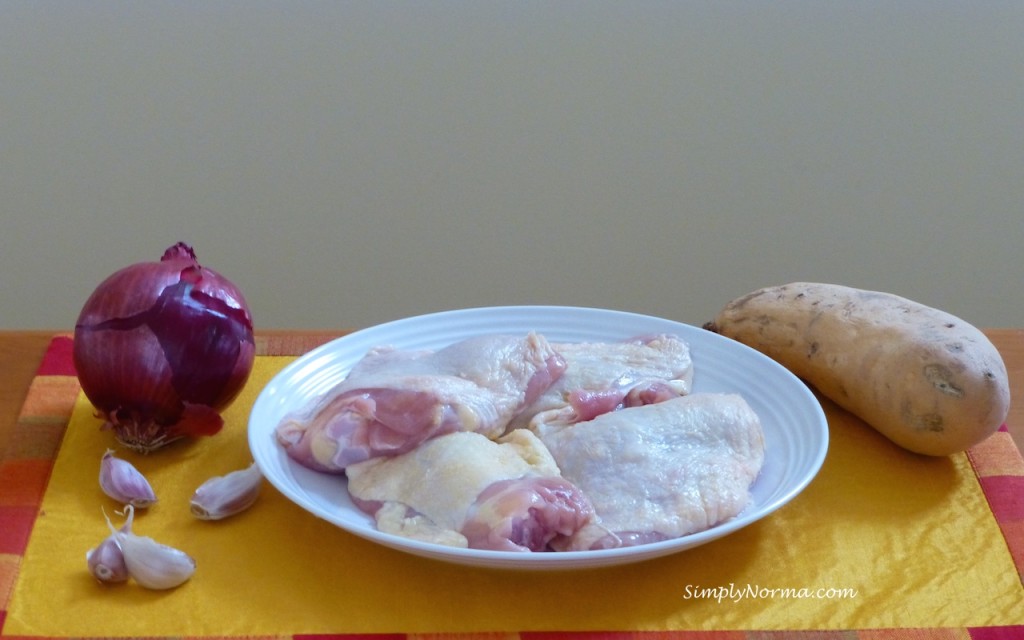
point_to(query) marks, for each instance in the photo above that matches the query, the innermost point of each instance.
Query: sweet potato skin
(929, 381)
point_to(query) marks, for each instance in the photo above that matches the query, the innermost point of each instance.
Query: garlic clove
(120, 480)
(150, 563)
(154, 565)
(224, 496)
(106, 562)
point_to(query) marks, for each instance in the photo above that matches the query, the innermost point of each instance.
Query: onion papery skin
(161, 348)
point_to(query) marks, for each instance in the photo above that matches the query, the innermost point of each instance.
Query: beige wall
(349, 163)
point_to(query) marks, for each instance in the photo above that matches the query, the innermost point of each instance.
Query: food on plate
(929, 381)
(517, 444)
(602, 376)
(393, 400)
(657, 471)
(465, 490)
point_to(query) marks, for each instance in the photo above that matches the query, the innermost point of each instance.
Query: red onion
(162, 347)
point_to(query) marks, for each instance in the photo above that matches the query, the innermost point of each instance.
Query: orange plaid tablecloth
(993, 469)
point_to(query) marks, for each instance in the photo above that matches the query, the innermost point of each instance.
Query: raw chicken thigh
(659, 471)
(393, 400)
(514, 444)
(604, 376)
(465, 490)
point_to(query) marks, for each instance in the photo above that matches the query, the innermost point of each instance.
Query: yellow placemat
(881, 538)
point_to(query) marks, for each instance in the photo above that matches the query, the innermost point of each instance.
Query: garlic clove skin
(120, 480)
(151, 564)
(224, 496)
(154, 565)
(106, 562)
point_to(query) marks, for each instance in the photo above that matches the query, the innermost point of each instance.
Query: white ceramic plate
(796, 433)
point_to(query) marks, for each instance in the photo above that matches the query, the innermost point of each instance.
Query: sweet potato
(929, 381)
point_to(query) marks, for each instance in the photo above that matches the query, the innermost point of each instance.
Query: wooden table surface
(22, 351)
